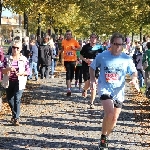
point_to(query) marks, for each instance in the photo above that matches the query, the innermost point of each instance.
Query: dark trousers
(45, 69)
(14, 98)
(78, 73)
(70, 68)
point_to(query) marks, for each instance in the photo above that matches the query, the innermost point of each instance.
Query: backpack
(45, 54)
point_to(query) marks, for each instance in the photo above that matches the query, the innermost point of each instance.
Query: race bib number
(111, 77)
(69, 53)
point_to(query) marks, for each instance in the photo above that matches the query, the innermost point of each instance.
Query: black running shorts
(117, 104)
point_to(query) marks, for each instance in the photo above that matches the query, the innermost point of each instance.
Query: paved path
(52, 121)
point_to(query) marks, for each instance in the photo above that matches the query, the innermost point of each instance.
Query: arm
(84, 59)
(62, 49)
(77, 47)
(96, 63)
(133, 73)
(6, 70)
(27, 69)
(144, 58)
(134, 81)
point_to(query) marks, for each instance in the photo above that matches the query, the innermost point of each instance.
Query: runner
(78, 70)
(69, 47)
(87, 54)
(114, 65)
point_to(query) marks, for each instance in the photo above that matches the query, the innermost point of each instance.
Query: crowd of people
(102, 66)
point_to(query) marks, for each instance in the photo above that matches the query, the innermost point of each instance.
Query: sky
(6, 13)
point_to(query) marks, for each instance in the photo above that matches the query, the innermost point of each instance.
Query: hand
(93, 85)
(11, 69)
(134, 81)
(19, 74)
(73, 47)
(87, 61)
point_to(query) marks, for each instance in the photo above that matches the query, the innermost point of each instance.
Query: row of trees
(86, 16)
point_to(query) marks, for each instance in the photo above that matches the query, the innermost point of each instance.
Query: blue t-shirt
(113, 70)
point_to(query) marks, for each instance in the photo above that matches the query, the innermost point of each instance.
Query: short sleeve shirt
(69, 53)
(113, 70)
(90, 52)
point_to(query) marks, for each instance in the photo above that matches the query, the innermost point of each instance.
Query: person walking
(78, 69)
(137, 59)
(33, 59)
(146, 57)
(45, 57)
(15, 71)
(54, 57)
(114, 65)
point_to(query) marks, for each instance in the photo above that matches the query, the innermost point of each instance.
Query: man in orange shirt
(69, 48)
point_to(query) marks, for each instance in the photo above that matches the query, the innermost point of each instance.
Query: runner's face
(68, 35)
(93, 39)
(117, 46)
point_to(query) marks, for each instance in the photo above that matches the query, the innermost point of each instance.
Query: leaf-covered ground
(50, 120)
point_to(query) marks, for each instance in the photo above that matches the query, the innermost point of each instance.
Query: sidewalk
(52, 121)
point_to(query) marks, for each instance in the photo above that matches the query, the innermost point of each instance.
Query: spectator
(33, 59)
(25, 47)
(45, 56)
(54, 56)
(137, 59)
(15, 72)
(146, 57)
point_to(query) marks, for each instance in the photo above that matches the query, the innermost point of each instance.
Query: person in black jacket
(25, 47)
(45, 56)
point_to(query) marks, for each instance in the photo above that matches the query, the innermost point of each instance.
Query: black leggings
(78, 73)
(70, 68)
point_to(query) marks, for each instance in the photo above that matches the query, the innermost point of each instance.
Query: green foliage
(85, 16)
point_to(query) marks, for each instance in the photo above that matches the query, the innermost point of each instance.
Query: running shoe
(68, 93)
(84, 93)
(92, 106)
(103, 144)
(76, 83)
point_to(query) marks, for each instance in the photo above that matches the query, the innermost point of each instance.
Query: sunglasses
(117, 44)
(14, 47)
